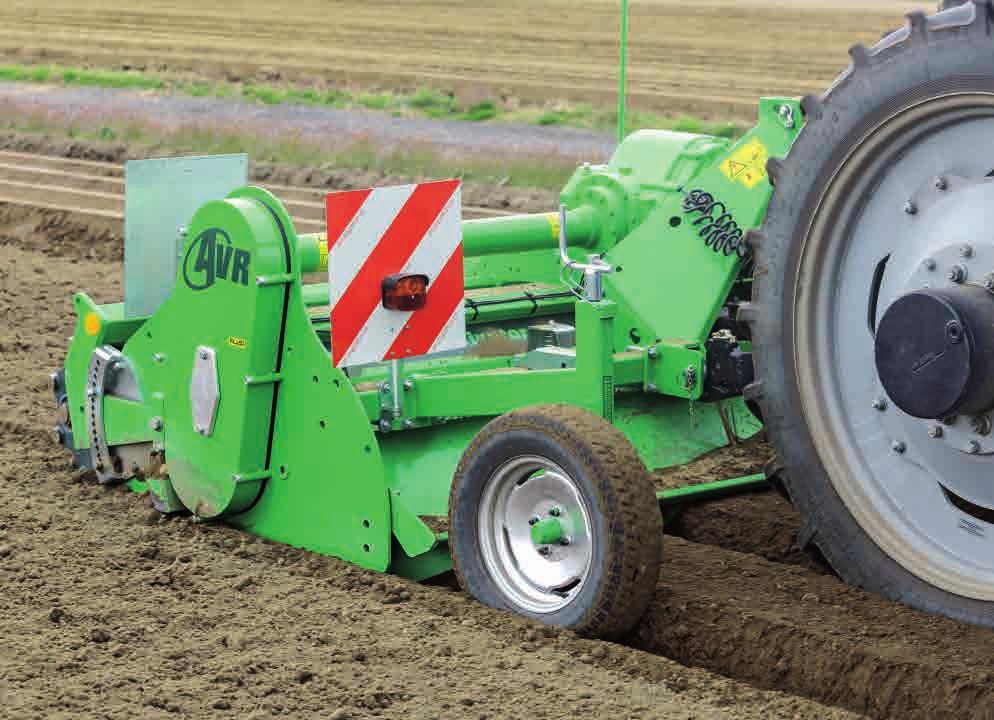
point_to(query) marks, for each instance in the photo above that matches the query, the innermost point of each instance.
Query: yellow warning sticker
(237, 342)
(554, 225)
(747, 165)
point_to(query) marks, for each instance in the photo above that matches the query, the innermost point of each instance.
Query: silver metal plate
(161, 197)
(205, 392)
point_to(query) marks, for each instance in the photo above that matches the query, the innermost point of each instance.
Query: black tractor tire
(932, 56)
(626, 523)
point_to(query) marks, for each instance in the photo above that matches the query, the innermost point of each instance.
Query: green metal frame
(306, 454)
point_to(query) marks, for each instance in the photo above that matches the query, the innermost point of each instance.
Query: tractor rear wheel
(873, 316)
(553, 515)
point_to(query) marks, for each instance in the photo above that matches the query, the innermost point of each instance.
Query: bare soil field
(712, 58)
(110, 610)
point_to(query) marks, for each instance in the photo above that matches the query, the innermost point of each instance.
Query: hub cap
(535, 533)
(892, 330)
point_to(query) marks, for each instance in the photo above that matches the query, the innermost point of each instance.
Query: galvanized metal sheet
(161, 196)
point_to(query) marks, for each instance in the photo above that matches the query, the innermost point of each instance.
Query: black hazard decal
(212, 257)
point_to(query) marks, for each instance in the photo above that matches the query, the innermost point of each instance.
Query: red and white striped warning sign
(407, 229)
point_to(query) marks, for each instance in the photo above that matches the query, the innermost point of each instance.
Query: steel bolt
(384, 387)
(199, 429)
(534, 520)
(651, 387)
(956, 274)
(555, 511)
(408, 385)
(204, 354)
(879, 404)
(910, 208)
(565, 541)
(929, 264)
(159, 357)
(941, 183)
(385, 425)
(966, 251)
(935, 431)
(973, 447)
(898, 446)
(653, 352)
(544, 550)
(408, 423)
(156, 424)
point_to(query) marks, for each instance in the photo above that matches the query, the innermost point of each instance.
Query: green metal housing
(307, 454)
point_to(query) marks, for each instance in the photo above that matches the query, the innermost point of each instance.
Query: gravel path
(311, 124)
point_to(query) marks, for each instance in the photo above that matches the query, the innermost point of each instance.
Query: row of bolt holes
(365, 523)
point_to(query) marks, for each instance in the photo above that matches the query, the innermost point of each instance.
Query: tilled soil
(110, 610)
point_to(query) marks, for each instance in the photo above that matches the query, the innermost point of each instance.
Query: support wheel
(553, 515)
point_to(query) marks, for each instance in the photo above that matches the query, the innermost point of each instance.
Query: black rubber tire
(931, 56)
(627, 532)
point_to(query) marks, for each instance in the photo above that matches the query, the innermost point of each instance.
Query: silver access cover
(205, 392)
(160, 198)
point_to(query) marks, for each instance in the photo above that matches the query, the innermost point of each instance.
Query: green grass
(424, 102)
(410, 162)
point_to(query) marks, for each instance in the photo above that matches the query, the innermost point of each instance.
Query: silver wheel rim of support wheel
(918, 188)
(540, 578)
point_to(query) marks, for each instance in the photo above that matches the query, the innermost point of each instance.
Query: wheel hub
(535, 533)
(934, 352)
(934, 344)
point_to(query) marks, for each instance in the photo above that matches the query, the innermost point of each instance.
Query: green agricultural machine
(829, 276)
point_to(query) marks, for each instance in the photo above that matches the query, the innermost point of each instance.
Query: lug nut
(898, 446)
(565, 541)
(954, 331)
(544, 550)
(910, 208)
(935, 432)
(555, 511)
(929, 264)
(956, 274)
(966, 251)
(972, 447)
(941, 183)
(533, 520)
(879, 404)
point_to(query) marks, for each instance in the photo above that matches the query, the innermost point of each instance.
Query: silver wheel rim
(539, 577)
(917, 189)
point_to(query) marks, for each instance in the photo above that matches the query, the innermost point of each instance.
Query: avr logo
(212, 257)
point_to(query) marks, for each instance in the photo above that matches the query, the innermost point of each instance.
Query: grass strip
(425, 102)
